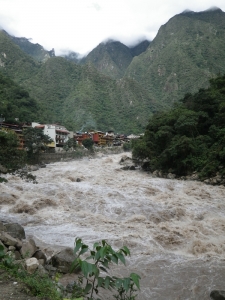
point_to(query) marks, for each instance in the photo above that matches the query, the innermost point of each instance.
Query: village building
(17, 129)
(58, 133)
(102, 139)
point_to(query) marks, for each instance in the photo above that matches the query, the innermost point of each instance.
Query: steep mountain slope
(186, 53)
(14, 62)
(95, 94)
(75, 95)
(139, 48)
(72, 56)
(35, 50)
(111, 58)
(81, 97)
(15, 102)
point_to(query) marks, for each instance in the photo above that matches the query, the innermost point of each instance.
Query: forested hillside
(82, 98)
(15, 102)
(112, 58)
(35, 50)
(187, 51)
(116, 87)
(190, 137)
(76, 96)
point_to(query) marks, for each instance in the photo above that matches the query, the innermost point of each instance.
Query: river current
(174, 229)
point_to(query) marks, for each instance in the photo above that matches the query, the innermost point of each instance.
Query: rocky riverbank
(45, 262)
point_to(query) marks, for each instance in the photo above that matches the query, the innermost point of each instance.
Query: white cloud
(80, 25)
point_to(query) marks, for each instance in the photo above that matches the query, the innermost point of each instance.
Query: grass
(38, 285)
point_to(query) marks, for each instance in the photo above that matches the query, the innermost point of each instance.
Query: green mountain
(187, 51)
(72, 56)
(116, 87)
(35, 50)
(139, 48)
(77, 96)
(112, 58)
(14, 63)
(81, 97)
(15, 102)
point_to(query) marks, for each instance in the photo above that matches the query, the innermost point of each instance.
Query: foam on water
(174, 229)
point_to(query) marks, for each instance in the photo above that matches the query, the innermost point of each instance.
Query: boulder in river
(63, 260)
(15, 230)
(217, 295)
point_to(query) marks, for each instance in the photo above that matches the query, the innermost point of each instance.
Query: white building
(58, 133)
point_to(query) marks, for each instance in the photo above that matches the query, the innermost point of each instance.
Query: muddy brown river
(174, 229)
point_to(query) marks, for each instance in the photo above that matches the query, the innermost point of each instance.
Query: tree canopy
(15, 102)
(189, 137)
(10, 156)
(35, 141)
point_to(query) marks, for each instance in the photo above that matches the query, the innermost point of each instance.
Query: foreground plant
(96, 262)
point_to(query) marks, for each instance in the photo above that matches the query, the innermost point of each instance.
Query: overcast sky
(80, 25)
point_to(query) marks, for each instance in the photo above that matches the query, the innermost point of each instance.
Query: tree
(70, 144)
(88, 143)
(35, 142)
(10, 156)
(189, 137)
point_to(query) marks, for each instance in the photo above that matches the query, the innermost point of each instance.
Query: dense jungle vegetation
(16, 103)
(189, 137)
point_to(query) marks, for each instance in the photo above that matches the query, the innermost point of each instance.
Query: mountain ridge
(185, 54)
(117, 87)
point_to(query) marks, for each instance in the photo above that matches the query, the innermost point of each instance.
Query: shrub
(88, 143)
(98, 260)
(127, 146)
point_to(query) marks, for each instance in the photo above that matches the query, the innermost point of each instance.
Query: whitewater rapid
(175, 229)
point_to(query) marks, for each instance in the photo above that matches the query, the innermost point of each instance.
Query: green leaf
(102, 252)
(87, 288)
(104, 242)
(98, 248)
(126, 284)
(85, 268)
(100, 281)
(118, 282)
(84, 249)
(109, 257)
(114, 258)
(107, 281)
(125, 250)
(95, 270)
(121, 257)
(95, 245)
(105, 263)
(135, 277)
(74, 265)
(79, 243)
(97, 255)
